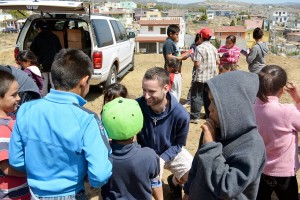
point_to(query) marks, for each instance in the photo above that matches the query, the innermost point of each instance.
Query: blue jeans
(198, 97)
(79, 196)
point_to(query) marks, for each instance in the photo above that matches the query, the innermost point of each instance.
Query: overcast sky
(247, 1)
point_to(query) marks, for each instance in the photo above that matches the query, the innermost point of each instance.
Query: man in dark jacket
(45, 45)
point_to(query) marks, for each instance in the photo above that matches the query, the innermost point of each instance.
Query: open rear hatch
(47, 6)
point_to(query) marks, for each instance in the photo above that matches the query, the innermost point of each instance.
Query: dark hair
(271, 79)
(173, 28)
(158, 73)
(232, 38)
(258, 33)
(198, 36)
(69, 67)
(42, 25)
(6, 79)
(27, 55)
(173, 63)
(113, 91)
(228, 67)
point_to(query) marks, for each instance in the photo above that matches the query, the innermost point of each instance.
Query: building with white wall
(153, 33)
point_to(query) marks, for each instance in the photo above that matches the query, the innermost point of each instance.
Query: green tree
(17, 15)
(217, 43)
(232, 23)
(158, 7)
(203, 17)
(202, 9)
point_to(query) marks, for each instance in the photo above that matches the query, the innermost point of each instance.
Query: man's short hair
(158, 73)
(173, 28)
(69, 67)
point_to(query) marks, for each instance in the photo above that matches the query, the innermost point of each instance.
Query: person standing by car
(45, 45)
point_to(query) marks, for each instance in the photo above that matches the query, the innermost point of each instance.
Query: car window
(122, 30)
(102, 32)
(119, 31)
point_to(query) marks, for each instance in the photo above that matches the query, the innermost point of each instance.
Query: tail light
(97, 59)
(16, 51)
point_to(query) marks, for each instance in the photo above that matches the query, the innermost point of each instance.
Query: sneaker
(175, 191)
(195, 121)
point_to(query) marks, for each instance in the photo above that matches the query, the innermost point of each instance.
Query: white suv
(103, 38)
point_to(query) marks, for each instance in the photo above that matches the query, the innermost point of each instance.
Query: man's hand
(209, 131)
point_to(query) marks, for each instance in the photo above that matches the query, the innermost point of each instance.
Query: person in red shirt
(229, 53)
(13, 184)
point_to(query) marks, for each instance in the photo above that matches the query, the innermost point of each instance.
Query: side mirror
(131, 35)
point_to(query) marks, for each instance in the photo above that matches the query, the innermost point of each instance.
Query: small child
(175, 85)
(13, 183)
(278, 125)
(28, 62)
(229, 53)
(113, 91)
(135, 169)
(227, 68)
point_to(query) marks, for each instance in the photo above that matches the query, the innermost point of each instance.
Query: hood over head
(234, 94)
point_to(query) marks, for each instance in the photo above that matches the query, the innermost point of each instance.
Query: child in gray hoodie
(256, 57)
(231, 155)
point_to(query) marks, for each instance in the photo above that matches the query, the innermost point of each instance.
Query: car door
(122, 44)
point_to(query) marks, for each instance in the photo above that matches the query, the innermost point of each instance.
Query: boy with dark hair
(135, 169)
(13, 184)
(170, 48)
(69, 142)
(231, 154)
(165, 129)
(175, 84)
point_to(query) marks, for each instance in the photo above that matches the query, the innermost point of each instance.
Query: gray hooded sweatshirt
(256, 57)
(230, 167)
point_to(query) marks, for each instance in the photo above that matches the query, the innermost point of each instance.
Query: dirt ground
(133, 81)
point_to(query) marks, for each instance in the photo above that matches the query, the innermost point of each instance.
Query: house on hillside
(153, 33)
(279, 17)
(224, 13)
(238, 31)
(139, 13)
(153, 13)
(252, 24)
(125, 16)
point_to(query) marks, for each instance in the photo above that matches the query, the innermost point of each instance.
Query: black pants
(199, 96)
(286, 188)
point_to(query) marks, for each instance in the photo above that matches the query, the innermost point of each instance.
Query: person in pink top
(229, 53)
(278, 125)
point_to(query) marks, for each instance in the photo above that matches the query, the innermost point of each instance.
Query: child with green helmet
(135, 169)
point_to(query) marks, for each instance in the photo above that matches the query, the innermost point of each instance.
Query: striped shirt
(207, 55)
(11, 187)
(233, 55)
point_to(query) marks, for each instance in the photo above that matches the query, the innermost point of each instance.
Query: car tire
(112, 76)
(132, 62)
